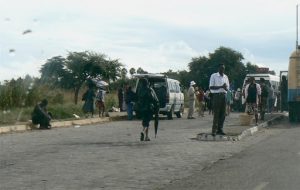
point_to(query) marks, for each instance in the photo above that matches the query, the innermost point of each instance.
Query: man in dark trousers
(147, 104)
(264, 98)
(219, 85)
(41, 116)
(253, 97)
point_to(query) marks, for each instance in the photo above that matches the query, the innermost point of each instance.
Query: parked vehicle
(168, 91)
(270, 80)
(294, 86)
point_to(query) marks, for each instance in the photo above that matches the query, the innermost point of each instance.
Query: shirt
(191, 93)
(217, 80)
(258, 91)
(101, 95)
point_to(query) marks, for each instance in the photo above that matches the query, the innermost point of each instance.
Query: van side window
(177, 87)
(171, 86)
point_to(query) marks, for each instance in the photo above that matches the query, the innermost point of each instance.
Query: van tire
(170, 113)
(178, 114)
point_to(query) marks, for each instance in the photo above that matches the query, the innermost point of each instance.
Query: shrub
(111, 100)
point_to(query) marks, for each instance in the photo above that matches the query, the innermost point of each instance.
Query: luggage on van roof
(158, 75)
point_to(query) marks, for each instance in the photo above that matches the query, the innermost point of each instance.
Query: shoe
(221, 133)
(191, 118)
(213, 134)
(147, 139)
(142, 137)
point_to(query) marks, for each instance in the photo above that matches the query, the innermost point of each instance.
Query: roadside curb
(248, 132)
(55, 124)
(251, 131)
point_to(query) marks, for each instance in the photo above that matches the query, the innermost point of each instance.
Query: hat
(238, 89)
(192, 83)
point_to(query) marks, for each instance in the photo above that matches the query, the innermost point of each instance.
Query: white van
(269, 79)
(168, 91)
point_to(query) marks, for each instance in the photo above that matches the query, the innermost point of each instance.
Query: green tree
(124, 73)
(202, 67)
(141, 71)
(251, 68)
(74, 70)
(200, 71)
(132, 71)
(53, 71)
(234, 67)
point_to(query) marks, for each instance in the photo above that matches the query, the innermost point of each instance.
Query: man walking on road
(192, 97)
(147, 104)
(218, 85)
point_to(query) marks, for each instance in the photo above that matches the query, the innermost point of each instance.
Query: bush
(111, 100)
(65, 111)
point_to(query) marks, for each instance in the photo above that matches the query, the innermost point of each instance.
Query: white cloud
(155, 35)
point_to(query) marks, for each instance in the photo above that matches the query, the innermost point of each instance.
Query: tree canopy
(74, 70)
(202, 67)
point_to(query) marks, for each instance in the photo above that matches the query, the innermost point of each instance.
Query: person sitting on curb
(41, 116)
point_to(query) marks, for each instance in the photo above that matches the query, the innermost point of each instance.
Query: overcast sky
(156, 35)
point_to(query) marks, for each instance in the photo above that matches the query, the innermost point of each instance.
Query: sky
(156, 35)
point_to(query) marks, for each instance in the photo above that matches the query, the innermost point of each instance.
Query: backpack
(147, 100)
(252, 93)
(264, 91)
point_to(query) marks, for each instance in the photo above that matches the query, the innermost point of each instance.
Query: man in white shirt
(219, 85)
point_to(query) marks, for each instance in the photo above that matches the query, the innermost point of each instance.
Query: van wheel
(178, 114)
(170, 113)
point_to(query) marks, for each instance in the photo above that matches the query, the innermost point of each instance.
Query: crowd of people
(201, 100)
(219, 99)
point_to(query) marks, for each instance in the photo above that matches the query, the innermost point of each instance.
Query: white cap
(192, 83)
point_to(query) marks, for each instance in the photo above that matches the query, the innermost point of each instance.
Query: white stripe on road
(261, 186)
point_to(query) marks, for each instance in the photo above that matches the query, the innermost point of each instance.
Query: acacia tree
(73, 71)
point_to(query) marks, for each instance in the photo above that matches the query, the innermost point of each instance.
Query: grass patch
(59, 111)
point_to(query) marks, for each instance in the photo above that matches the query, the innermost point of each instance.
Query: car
(168, 91)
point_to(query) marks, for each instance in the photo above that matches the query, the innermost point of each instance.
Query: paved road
(110, 156)
(272, 164)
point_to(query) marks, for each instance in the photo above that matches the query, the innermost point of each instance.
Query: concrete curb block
(251, 131)
(248, 132)
(55, 124)
(209, 137)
